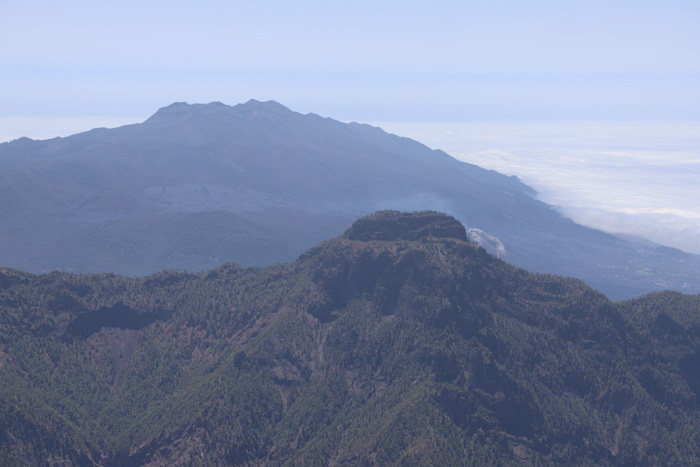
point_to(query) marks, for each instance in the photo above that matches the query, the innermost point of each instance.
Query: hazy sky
(367, 61)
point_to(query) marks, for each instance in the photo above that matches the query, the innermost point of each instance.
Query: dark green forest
(397, 343)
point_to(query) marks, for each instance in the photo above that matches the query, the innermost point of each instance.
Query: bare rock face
(395, 225)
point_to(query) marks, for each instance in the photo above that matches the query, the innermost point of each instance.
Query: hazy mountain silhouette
(397, 343)
(195, 186)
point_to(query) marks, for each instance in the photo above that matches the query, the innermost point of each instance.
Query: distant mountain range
(196, 186)
(397, 343)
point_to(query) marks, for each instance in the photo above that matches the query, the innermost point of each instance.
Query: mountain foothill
(399, 342)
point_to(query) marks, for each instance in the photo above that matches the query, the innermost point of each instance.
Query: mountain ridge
(198, 185)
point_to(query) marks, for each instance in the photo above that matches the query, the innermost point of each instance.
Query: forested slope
(397, 343)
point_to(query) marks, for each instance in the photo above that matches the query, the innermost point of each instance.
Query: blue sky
(392, 61)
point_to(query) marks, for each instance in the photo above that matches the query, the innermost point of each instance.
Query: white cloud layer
(634, 178)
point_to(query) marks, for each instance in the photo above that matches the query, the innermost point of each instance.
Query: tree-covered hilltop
(398, 342)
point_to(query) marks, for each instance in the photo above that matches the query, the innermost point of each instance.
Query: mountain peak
(182, 110)
(179, 111)
(267, 108)
(253, 104)
(395, 225)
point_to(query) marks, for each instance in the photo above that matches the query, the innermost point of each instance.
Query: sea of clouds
(639, 178)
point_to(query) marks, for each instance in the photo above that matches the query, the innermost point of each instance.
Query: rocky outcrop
(395, 225)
